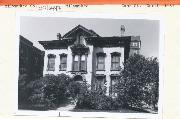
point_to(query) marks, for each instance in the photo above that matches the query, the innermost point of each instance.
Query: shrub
(139, 82)
(48, 92)
(56, 89)
(76, 88)
(96, 99)
(23, 90)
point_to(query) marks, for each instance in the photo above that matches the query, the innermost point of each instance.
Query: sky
(46, 28)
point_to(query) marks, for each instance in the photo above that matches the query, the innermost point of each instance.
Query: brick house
(84, 55)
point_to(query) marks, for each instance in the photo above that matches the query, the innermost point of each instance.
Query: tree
(139, 82)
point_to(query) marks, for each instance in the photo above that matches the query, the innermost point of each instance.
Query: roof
(92, 38)
(25, 40)
(57, 44)
(135, 38)
(88, 31)
(109, 41)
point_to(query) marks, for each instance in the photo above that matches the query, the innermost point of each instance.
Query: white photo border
(92, 114)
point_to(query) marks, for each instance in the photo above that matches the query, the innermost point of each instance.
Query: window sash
(83, 66)
(75, 66)
(63, 62)
(79, 63)
(51, 64)
(115, 62)
(100, 63)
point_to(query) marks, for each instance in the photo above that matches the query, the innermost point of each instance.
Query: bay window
(79, 62)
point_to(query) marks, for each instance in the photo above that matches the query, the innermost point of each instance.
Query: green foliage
(139, 82)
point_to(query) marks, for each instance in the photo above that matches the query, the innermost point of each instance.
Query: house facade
(84, 55)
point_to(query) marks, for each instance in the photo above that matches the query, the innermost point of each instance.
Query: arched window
(81, 39)
(78, 78)
(51, 62)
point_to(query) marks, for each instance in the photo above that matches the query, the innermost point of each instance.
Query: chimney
(122, 30)
(59, 36)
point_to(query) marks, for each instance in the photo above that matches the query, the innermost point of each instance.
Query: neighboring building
(86, 56)
(31, 59)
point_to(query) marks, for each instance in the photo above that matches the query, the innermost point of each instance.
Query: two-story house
(86, 56)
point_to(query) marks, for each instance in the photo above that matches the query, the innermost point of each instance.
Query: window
(83, 63)
(112, 90)
(115, 61)
(75, 63)
(63, 62)
(79, 62)
(81, 39)
(51, 62)
(135, 44)
(100, 61)
(100, 81)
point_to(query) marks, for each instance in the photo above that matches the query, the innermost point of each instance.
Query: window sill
(82, 72)
(62, 70)
(115, 70)
(100, 70)
(50, 70)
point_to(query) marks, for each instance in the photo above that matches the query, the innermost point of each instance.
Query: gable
(80, 30)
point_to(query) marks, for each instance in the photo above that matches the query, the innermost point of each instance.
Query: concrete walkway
(67, 107)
